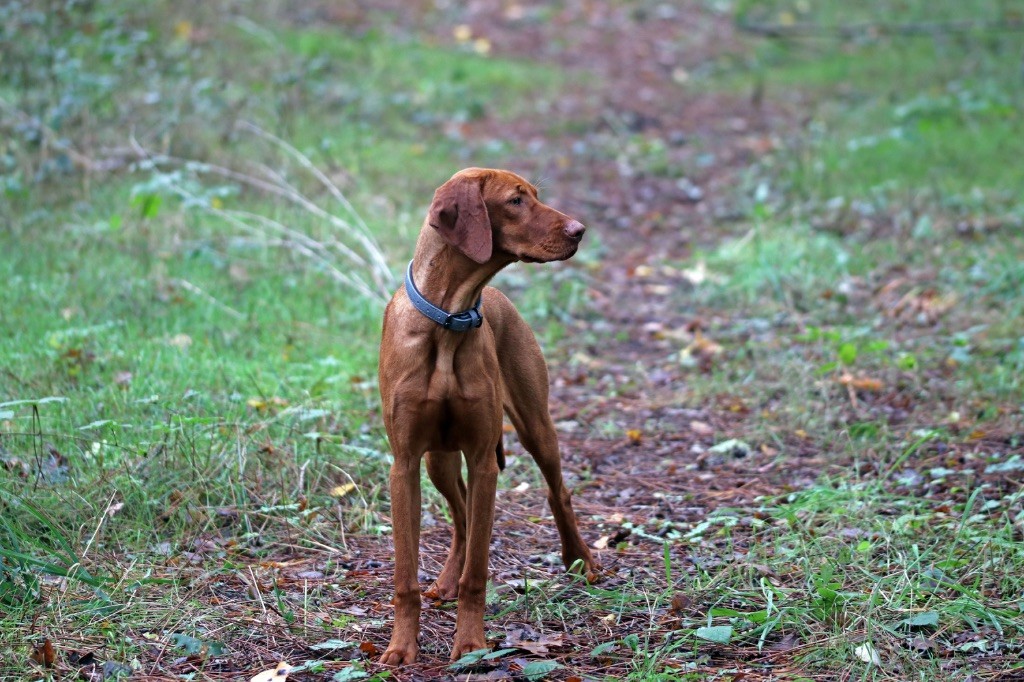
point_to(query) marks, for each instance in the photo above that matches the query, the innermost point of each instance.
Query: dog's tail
(500, 452)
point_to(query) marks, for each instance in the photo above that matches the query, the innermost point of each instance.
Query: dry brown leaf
(681, 603)
(702, 346)
(44, 654)
(541, 645)
(861, 383)
(868, 384)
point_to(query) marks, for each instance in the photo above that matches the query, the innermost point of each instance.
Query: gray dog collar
(456, 322)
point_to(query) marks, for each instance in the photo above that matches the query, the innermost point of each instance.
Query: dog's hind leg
(525, 379)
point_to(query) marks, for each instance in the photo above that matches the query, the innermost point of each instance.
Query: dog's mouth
(549, 257)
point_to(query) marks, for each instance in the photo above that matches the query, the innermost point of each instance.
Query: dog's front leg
(405, 519)
(482, 468)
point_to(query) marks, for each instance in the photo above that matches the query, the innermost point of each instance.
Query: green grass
(906, 171)
(904, 175)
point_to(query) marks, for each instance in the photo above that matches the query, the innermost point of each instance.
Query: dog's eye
(515, 201)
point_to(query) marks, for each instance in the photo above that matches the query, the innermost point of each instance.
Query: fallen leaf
(701, 428)
(528, 640)
(733, 447)
(787, 643)
(112, 670)
(538, 670)
(923, 619)
(369, 649)
(861, 383)
(697, 274)
(700, 352)
(332, 645)
(643, 271)
(681, 603)
(44, 654)
(278, 674)
(867, 653)
(342, 490)
(719, 634)
(922, 645)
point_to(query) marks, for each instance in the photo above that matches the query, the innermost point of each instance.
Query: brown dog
(445, 379)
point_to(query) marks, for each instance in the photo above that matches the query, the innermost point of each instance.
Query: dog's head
(487, 213)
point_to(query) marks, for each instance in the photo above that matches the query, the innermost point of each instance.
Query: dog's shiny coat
(443, 392)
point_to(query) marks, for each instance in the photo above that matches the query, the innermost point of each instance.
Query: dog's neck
(448, 278)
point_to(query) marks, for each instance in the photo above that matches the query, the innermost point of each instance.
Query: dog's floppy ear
(459, 215)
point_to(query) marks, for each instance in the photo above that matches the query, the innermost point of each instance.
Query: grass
(190, 448)
(903, 179)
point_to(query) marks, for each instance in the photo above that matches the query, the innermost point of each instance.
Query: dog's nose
(574, 230)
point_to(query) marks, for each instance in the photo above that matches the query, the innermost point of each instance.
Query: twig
(99, 524)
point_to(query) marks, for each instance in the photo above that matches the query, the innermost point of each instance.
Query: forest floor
(787, 382)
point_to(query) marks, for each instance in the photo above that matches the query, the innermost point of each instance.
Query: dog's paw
(397, 654)
(469, 645)
(442, 591)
